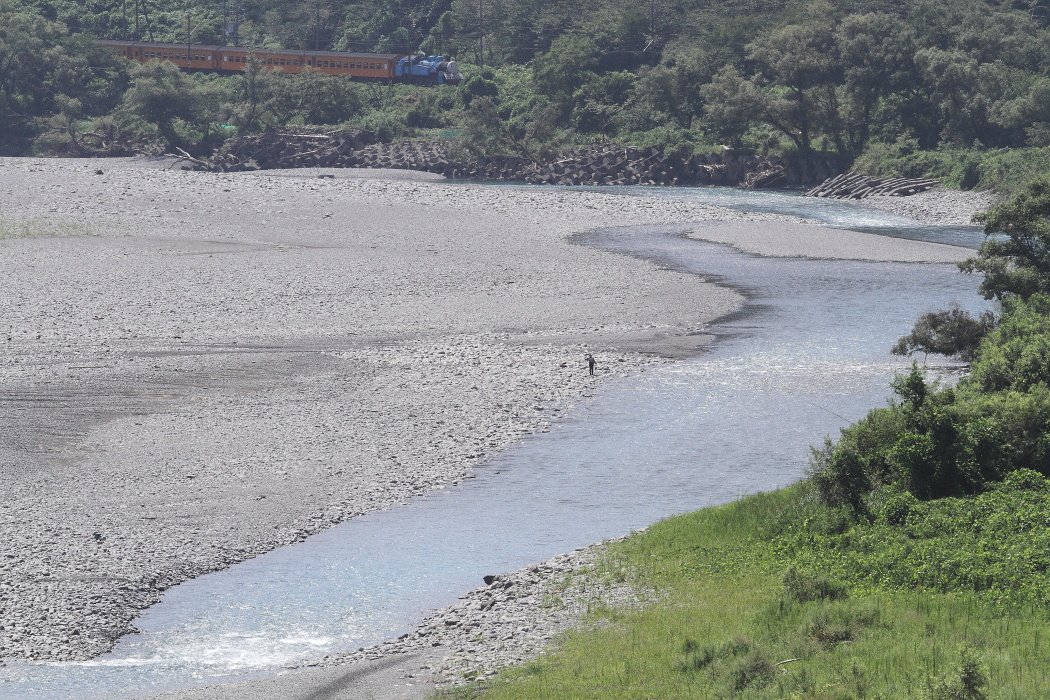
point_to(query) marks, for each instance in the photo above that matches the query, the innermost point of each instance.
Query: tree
(877, 53)
(1020, 263)
(799, 62)
(491, 129)
(41, 69)
(256, 97)
(732, 104)
(951, 332)
(162, 95)
(564, 69)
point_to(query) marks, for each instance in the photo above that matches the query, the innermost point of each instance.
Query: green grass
(735, 619)
(41, 228)
(1003, 170)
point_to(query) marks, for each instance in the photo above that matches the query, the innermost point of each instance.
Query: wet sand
(200, 367)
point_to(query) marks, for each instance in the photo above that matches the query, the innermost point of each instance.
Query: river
(807, 354)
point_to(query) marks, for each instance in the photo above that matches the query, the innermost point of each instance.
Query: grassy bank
(1004, 170)
(743, 612)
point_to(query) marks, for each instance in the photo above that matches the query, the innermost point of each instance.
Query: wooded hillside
(885, 78)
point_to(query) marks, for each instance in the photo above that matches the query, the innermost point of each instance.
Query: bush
(951, 332)
(934, 442)
(806, 588)
(964, 682)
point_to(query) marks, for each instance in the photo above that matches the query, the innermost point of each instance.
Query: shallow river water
(807, 354)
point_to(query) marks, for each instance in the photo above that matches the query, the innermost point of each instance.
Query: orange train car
(431, 70)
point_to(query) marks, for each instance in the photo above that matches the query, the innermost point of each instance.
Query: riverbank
(202, 367)
(774, 596)
(936, 207)
(489, 629)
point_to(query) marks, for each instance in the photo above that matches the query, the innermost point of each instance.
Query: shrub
(965, 682)
(951, 332)
(806, 588)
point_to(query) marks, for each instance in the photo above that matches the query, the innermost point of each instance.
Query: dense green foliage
(929, 86)
(778, 596)
(49, 78)
(1019, 264)
(935, 442)
(995, 544)
(951, 332)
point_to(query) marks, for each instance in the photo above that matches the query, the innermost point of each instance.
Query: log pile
(854, 186)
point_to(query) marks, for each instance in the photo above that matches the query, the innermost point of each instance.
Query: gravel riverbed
(201, 367)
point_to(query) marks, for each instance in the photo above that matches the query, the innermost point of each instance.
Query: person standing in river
(590, 363)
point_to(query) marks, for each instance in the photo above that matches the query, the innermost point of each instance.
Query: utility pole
(481, 33)
(230, 10)
(149, 25)
(222, 8)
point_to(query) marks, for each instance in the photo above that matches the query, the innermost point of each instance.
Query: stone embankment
(599, 164)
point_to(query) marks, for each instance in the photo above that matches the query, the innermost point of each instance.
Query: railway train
(384, 67)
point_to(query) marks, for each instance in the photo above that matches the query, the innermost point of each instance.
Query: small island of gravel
(201, 367)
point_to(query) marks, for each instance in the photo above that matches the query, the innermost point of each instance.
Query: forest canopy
(883, 80)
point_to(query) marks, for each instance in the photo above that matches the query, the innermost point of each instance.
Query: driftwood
(854, 186)
(183, 156)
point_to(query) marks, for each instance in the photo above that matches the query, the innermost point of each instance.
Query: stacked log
(855, 186)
